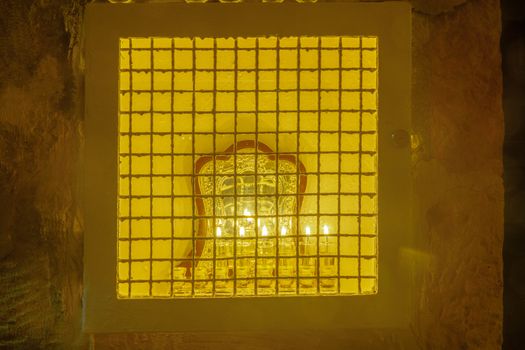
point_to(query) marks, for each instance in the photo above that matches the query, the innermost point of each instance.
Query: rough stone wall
(458, 176)
(40, 135)
(457, 170)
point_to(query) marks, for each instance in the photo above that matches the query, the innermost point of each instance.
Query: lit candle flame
(241, 231)
(307, 230)
(219, 232)
(283, 231)
(264, 231)
(325, 229)
(246, 212)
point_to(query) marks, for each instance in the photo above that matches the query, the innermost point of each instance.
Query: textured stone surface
(40, 134)
(437, 7)
(458, 177)
(457, 170)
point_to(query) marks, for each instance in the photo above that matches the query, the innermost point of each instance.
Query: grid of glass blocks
(247, 166)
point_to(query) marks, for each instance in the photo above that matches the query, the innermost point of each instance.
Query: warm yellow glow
(182, 99)
(247, 213)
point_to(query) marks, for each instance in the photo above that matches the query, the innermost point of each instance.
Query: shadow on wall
(513, 52)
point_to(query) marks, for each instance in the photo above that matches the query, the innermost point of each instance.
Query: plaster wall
(457, 172)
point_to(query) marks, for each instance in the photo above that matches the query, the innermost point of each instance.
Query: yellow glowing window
(240, 169)
(248, 166)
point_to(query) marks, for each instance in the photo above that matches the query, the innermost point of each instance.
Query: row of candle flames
(313, 268)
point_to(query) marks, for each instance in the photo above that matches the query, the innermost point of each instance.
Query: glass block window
(247, 166)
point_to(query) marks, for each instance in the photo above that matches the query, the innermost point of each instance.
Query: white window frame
(391, 307)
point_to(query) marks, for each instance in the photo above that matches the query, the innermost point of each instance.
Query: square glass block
(297, 216)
